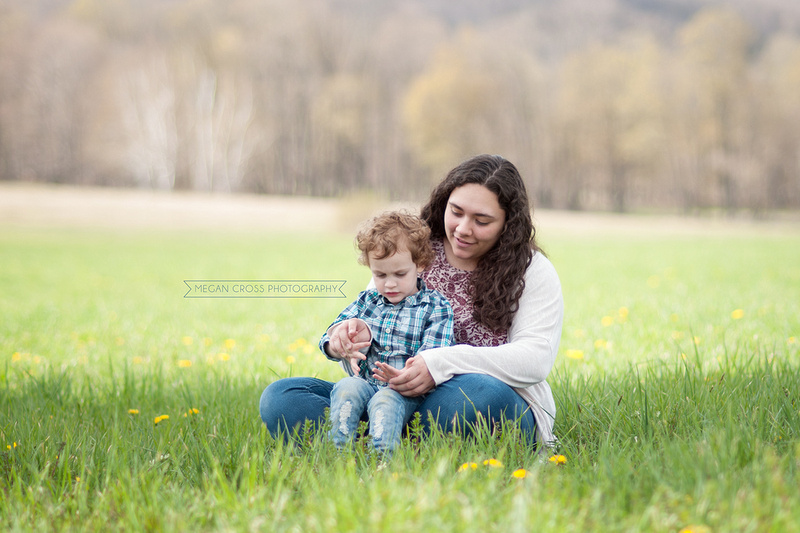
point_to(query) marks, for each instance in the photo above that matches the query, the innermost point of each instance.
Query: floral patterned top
(453, 283)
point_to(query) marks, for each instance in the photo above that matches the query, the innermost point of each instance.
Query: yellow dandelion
(229, 344)
(737, 314)
(623, 312)
(558, 459)
(696, 529)
(290, 360)
(574, 354)
(293, 347)
(263, 338)
(307, 349)
(187, 340)
(191, 412)
(677, 335)
(207, 341)
(133, 411)
(301, 341)
(683, 356)
(184, 363)
(520, 473)
(138, 360)
(77, 478)
(119, 341)
(468, 466)
(222, 356)
(493, 463)
(601, 344)
(697, 340)
(674, 317)
(607, 321)
(157, 420)
(15, 357)
(791, 340)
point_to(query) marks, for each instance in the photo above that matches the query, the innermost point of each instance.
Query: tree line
(279, 97)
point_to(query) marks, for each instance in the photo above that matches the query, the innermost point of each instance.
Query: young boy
(402, 317)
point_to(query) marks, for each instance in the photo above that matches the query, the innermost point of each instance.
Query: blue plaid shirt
(421, 321)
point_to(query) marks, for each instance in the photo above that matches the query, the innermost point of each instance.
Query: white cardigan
(525, 361)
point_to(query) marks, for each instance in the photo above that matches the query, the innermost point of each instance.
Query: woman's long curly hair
(498, 280)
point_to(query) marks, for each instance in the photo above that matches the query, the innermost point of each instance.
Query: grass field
(125, 406)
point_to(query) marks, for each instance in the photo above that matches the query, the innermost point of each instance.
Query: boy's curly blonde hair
(389, 232)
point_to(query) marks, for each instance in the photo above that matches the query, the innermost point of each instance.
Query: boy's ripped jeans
(387, 410)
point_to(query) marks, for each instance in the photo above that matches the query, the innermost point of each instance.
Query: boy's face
(395, 276)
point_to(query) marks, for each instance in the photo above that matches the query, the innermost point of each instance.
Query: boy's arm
(357, 333)
(439, 328)
(351, 311)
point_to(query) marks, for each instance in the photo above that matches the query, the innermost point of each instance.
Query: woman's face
(473, 222)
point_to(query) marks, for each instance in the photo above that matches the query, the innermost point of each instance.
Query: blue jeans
(455, 405)
(387, 412)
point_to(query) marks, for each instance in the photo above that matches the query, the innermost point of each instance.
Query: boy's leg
(388, 412)
(349, 399)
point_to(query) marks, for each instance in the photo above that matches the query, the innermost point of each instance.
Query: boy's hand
(413, 380)
(347, 338)
(384, 372)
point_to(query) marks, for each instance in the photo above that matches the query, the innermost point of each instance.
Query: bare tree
(714, 48)
(147, 103)
(223, 129)
(50, 108)
(778, 110)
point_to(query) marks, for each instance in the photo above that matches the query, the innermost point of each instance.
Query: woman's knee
(476, 393)
(469, 400)
(271, 400)
(288, 403)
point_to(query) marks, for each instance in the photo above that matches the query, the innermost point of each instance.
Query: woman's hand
(347, 338)
(413, 380)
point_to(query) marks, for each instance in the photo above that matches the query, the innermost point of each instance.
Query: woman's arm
(533, 338)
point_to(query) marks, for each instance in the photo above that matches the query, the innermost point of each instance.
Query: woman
(508, 309)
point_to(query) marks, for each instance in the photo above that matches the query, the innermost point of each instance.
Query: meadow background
(124, 406)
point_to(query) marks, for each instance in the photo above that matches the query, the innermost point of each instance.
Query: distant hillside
(602, 104)
(558, 26)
